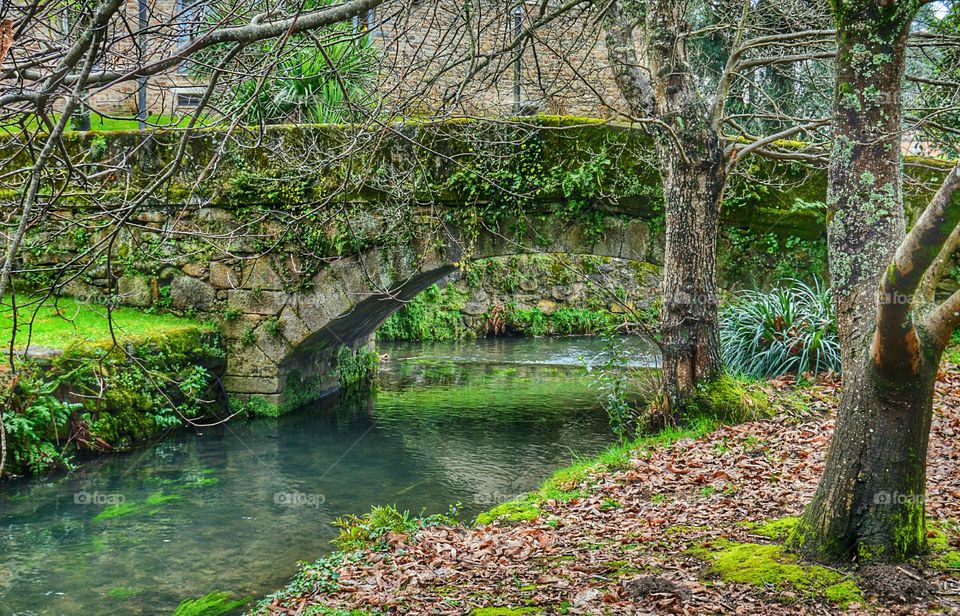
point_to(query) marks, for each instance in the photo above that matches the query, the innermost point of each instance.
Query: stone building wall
(428, 67)
(425, 51)
(167, 31)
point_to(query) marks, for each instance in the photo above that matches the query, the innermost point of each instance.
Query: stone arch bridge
(283, 344)
(301, 240)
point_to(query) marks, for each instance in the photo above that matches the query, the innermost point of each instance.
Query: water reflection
(235, 507)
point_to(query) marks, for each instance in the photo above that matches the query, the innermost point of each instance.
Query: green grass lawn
(65, 322)
(100, 123)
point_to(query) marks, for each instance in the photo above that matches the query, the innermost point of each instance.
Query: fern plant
(791, 329)
(358, 532)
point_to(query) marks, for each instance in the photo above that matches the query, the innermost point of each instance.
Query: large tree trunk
(692, 192)
(693, 174)
(869, 504)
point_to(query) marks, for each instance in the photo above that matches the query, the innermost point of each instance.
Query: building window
(189, 100)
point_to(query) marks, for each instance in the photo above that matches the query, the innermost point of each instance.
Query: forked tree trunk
(689, 336)
(870, 502)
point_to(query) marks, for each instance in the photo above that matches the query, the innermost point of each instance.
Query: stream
(234, 508)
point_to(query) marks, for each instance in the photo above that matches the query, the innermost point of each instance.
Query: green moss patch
(775, 529)
(764, 566)
(513, 511)
(504, 611)
(843, 593)
(732, 398)
(942, 555)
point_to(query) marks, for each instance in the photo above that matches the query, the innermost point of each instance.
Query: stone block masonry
(295, 253)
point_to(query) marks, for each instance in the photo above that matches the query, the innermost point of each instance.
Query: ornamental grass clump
(790, 329)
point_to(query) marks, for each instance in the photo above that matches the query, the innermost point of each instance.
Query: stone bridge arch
(283, 347)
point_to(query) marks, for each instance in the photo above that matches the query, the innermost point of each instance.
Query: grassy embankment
(98, 384)
(62, 323)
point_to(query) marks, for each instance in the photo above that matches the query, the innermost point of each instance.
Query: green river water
(235, 508)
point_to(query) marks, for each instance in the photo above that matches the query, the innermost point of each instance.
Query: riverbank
(138, 533)
(688, 522)
(84, 387)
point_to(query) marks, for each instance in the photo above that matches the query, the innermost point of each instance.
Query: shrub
(611, 379)
(33, 420)
(358, 532)
(356, 367)
(789, 329)
(308, 86)
(431, 315)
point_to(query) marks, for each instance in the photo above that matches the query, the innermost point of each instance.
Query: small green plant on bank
(256, 406)
(195, 382)
(32, 417)
(610, 379)
(370, 529)
(790, 329)
(357, 532)
(318, 576)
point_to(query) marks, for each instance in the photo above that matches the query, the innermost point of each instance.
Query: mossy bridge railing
(301, 240)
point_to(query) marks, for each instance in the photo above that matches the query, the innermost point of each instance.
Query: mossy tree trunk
(870, 502)
(693, 170)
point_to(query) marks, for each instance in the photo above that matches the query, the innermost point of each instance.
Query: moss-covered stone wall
(277, 233)
(550, 294)
(100, 397)
(532, 295)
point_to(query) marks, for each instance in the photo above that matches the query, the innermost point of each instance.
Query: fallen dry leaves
(586, 554)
